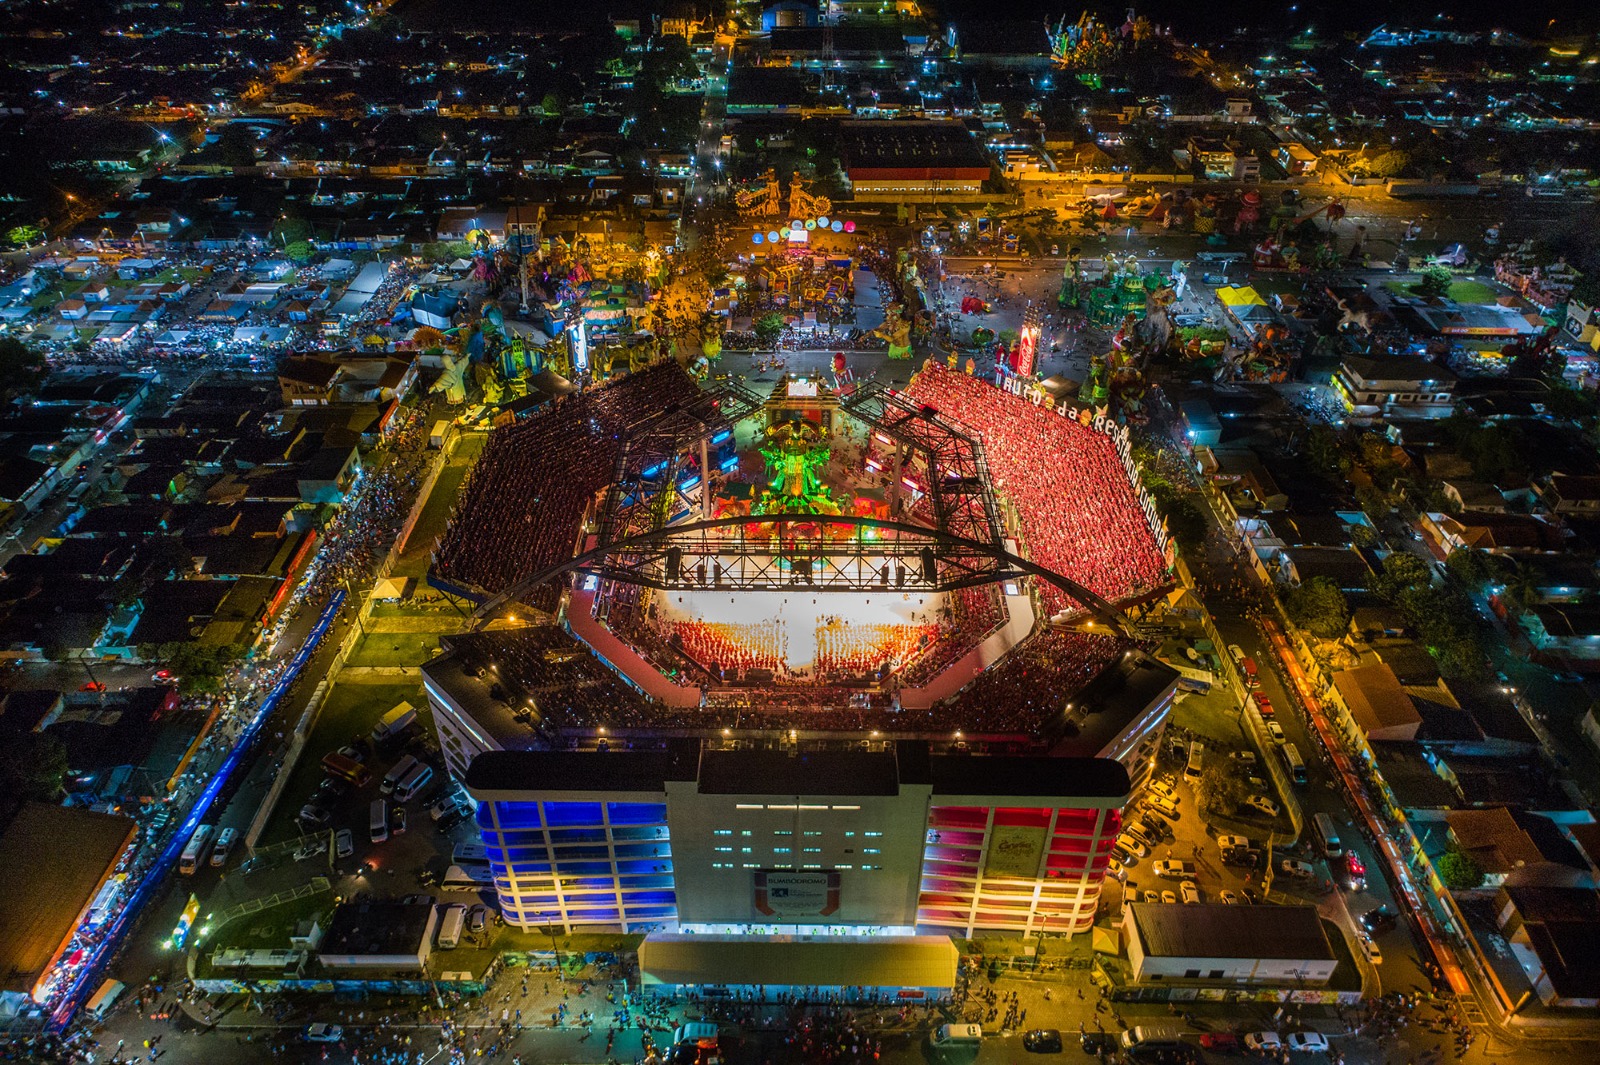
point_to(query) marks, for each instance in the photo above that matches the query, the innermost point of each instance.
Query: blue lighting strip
(101, 953)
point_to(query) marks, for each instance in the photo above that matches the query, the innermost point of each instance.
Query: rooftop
(1215, 930)
(42, 900)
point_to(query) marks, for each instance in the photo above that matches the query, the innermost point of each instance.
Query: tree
(1186, 522)
(199, 666)
(1387, 164)
(22, 367)
(290, 230)
(1459, 871)
(33, 765)
(24, 235)
(1472, 568)
(1402, 573)
(1433, 282)
(1319, 606)
(237, 145)
(768, 327)
(300, 252)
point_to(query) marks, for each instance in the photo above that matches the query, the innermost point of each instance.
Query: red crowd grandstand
(1077, 511)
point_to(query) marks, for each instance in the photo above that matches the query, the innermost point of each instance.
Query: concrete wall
(720, 889)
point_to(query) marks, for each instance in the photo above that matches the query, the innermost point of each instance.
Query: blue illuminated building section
(580, 863)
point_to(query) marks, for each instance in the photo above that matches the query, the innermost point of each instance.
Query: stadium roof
(813, 961)
(55, 860)
(831, 771)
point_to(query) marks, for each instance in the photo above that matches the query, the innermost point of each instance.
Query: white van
(106, 997)
(401, 770)
(224, 847)
(948, 1034)
(414, 782)
(379, 822)
(455, 915)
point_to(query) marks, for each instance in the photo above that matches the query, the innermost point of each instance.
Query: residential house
(1554, 931)
(1373, 388)
(1375, 703)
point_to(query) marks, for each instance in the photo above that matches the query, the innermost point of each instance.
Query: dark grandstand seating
(520, 509)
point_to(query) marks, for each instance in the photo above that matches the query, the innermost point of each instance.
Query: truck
(440, 430)
(1172, 869)
(396, 721)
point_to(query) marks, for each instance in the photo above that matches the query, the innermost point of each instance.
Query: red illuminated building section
(1029, 869)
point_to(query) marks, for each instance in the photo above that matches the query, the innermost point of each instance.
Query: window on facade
(723, 832)
(725, 850)
(870, 850)
(744, 850)
(1191, 974)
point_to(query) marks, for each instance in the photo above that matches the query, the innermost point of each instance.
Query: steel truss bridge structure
(642, 536)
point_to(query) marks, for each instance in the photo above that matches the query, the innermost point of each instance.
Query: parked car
(355, 754)
(1153, 828)
(1164, 789)
(1190, 893)
(344, 843)
(1227, 898)
(1228, 843)
(1116, 869)
(1221, 1042)
(1263, 805)
(1370, 949)
(1263, 1042)
(224, 846)
(397, 820)
(1173, 869)
(324, 1033)
(1170, 898)
(1297, 869)
(478, 916)
(1133, 845)
(312, 814)
(1308, 1042)
(1275, 730)
(1042, 1041)
(1164, 806)
(1151, 896)
(1097, 1043)
(1378, 921)
(1244, 758)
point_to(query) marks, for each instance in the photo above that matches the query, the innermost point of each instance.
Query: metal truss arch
(914, 557)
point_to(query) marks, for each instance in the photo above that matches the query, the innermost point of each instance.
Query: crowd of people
(568, 687)
(365, 527)
(1077, 510)
(732, 651)
(968, 617)
(848, 650)
(1026, 691)
(520, 508)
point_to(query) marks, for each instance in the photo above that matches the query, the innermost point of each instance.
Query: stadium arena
(711, 618)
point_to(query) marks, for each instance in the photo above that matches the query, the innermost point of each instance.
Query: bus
(1294, 763)
(346, 768)
(1197, 758)
(195, 850)
(1327, 836)
(466, 878)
